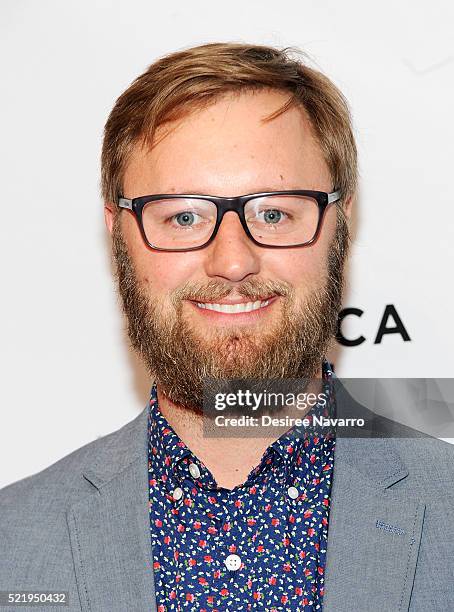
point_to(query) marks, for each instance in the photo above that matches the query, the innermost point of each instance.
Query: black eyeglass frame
(235, 204)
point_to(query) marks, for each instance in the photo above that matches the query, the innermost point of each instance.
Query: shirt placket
(220, 511)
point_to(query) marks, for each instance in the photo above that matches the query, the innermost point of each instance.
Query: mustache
(215, 290)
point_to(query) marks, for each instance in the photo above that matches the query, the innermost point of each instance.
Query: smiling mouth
(234, 308)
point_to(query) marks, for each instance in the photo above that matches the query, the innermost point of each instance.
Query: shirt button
(194, 470)
(232, 562)
(293, 492)
(177, 493)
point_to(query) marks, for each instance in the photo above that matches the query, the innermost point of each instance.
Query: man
(217, 285)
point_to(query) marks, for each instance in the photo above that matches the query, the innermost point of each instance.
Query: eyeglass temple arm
(334, 196)
(125, 203)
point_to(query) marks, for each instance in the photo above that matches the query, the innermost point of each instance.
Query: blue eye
(272, 216)
(185, 218)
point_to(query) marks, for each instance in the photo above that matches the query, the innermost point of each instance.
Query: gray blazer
(82, 526)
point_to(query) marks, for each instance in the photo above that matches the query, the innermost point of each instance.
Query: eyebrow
(260, 190)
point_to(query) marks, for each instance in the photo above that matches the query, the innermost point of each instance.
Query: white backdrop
(68, 375)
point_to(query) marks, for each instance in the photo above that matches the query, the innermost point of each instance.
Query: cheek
(165, 272)
(305, 267)
(159, 272)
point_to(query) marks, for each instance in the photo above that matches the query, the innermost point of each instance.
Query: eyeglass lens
(282, 220)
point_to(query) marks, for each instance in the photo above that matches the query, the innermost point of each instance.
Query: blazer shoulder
(55, 487)
(34, 510)
(430, 461)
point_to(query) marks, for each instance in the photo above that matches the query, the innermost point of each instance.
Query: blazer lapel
(374, 531)
(109, 528)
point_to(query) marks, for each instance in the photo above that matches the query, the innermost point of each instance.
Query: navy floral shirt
(261, 545)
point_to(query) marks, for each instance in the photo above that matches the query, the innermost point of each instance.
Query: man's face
(226, 150)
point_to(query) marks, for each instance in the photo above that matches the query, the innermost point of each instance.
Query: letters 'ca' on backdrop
(67, 374)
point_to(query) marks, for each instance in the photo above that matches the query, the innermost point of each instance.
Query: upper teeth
(232, 308)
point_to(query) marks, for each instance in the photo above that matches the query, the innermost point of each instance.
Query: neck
(229, 459)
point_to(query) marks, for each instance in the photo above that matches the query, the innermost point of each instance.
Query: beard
(179, 358)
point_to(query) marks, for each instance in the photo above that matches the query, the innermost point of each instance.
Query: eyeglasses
(277, 219)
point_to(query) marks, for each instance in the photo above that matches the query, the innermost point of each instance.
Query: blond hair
(178, 83)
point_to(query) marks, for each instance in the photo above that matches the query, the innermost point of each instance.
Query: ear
(109, 215)
(347, 206)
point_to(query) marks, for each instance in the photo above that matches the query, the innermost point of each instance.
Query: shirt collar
(172, 455)
(293, 443)
(164, 443)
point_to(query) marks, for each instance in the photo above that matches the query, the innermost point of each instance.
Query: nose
(232, 255)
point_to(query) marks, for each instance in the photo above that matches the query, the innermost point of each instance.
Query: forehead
(227, 149)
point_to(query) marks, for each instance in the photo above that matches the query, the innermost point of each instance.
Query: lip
(233, 300)
(240, 318)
